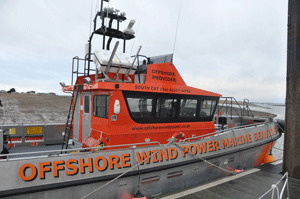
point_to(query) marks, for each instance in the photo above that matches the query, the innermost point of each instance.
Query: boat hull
(172, 168)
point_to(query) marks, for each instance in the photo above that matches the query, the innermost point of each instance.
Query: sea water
(279, 110)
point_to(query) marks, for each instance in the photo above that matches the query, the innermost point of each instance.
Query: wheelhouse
(132, 99)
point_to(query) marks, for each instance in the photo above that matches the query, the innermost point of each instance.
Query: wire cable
(177, 28)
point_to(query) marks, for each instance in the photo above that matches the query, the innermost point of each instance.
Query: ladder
(69, 124)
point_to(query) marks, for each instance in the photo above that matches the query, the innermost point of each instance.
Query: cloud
(230, 47)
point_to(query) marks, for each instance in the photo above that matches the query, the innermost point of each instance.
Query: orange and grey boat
(136, 130)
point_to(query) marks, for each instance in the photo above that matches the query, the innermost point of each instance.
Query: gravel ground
(33, 109)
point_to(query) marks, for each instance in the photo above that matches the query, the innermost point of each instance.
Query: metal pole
(291, 156)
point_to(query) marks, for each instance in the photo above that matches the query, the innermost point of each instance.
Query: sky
(231, 47)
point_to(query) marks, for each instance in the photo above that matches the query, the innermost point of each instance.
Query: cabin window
(207, 107)
(86, 104)
(188, 108)
(145, 107)
(140, 107)
(166, 108)
(101, 106)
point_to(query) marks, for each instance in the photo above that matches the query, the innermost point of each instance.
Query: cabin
(137, 99)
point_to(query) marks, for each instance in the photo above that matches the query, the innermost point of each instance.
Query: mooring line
(171, 140)
(193, 155)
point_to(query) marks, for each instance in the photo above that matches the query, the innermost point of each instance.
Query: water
(279, 110)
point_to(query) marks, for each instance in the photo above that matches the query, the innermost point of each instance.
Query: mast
(109, 14)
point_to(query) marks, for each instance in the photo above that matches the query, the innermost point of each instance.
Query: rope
(274, 186)
(280, 127)
(225, 170)
(277, 148)
(171, 140)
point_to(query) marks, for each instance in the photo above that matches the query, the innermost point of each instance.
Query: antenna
(137, 31)
(129, 30)
(177, 28)
(91, 17)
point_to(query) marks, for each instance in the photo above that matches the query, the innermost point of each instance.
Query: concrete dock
(252, 183)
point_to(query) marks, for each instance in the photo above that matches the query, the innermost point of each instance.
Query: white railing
(275, 188)
(59, 152)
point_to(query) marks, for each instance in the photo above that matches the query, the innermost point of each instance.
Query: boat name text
(71, 167)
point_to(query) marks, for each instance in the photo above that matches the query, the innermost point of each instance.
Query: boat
(136, 130)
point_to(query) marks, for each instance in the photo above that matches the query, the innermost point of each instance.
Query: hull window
(174, 174)
(150, 180)
(101, 106)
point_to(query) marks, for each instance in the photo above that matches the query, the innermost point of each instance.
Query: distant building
(30, 92)
(51, 93)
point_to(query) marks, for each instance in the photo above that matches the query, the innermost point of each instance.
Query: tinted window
(166, 108)
(140, 107)
(101, 105)
(188, 108)
(86, 104)
(207, 107)
(169, 108)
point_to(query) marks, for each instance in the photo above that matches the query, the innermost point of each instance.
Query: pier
(252, 183)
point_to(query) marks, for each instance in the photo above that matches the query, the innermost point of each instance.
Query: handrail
(227, 104)
(275, 187)
(77, 65)
(78, 149)
(218, 133)
(246, 108)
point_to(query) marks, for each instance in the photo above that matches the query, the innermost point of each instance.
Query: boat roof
(160, 78)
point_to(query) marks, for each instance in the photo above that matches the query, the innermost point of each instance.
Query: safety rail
(217, 133)
(275, 187)
(246, 111)
(77, 72)
(228, 105)
(58, 152)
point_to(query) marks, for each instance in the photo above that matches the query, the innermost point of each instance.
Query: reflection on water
(279, 110)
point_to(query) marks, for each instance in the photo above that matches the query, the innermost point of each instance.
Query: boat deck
(248, 184)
